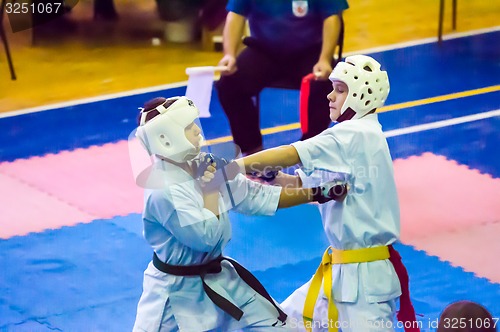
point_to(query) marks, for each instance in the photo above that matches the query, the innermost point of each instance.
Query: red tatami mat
(436, 195)
(97, 180)
(439, 195)
(450, 211)
(25, 209)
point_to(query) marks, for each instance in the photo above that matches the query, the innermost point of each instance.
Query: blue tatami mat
(82, 278)
(89, 277)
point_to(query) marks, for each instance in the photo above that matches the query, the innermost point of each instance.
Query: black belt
(214, 266)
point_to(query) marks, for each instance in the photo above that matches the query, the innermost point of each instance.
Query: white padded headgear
(368, 85)
(164, 135)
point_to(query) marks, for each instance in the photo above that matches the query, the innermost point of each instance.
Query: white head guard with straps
(368, 85)
(164, 135)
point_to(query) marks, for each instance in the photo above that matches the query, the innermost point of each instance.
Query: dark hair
(151, 105)
(476, 317)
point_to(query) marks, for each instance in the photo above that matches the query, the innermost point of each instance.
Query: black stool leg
(6, 44)
(454, 17)
(440, 26)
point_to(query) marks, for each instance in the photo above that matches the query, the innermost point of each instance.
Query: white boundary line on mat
(184, 83)
(443, 123)
(92, 99)
(389, 133)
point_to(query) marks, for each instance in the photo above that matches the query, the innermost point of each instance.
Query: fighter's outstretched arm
(275, 158)
(292, 193)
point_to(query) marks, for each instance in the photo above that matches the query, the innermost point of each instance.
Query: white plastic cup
(181, 31)
(155, 41)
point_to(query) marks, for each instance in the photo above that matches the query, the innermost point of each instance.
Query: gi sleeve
(327, 151)
(251, 197)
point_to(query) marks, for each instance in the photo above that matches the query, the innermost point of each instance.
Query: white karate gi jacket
(356, 151)
(182, 232)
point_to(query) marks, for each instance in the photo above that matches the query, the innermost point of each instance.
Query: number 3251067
(33, 8)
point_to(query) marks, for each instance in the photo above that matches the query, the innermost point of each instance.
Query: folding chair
(441, 18)
(287, 85)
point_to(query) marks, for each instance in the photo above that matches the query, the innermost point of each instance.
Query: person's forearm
(295, 196)
(326, 192)
(331, 32)
(233, 31)
(280, 157)
(287, 180)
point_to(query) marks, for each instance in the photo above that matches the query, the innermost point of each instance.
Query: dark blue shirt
(287, 25)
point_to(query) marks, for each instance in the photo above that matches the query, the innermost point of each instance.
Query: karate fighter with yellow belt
(361, 273)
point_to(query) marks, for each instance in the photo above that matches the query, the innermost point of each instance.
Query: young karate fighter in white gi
(189, 285)
(357, 278)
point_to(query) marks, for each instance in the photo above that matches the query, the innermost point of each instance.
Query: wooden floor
(88, 59)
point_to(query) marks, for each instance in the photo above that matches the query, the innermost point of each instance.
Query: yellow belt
(324, 275)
